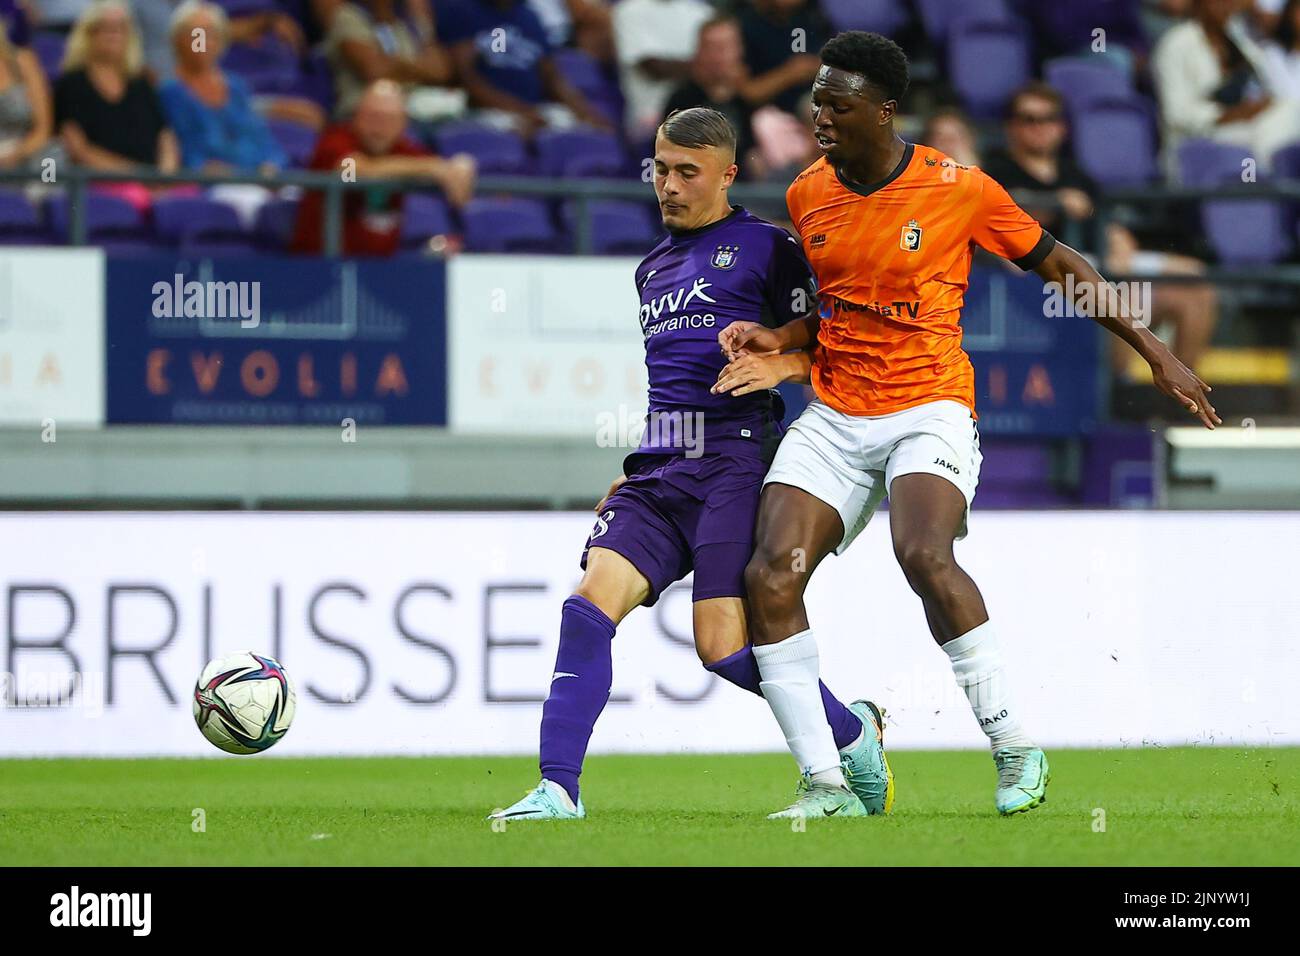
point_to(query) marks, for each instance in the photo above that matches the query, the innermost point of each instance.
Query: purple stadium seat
(590, 79)
(988, 60)
(297, 141)
(107, 217)
(268, 66)
(424, 216)
(508, 225)
(618, 226)
(1083, 82)
(200, 226)
(274, 225)
(1241, 231)
(1286, 162)
(20, 223)
(1115, 141)
(239, 8)
(937, 16)
(49, 50)
(579, 152)
(879, 16)
(496, 151)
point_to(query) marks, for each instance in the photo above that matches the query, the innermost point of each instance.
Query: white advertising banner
(51, 337)
(544, 345)
(436, 633)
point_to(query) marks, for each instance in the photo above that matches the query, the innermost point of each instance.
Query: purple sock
(742, 670)
(584, 671)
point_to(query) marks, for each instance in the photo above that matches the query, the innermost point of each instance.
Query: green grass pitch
(1177, 806)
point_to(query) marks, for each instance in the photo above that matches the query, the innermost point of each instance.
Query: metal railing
(77, 182)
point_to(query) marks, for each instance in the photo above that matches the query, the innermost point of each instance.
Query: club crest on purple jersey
(724, 257)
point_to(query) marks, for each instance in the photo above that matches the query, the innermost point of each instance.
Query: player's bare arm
(753, 337)
(753, 372)
(1171, 376)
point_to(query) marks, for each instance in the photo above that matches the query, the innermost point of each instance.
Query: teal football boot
(547, 801)
(865, 766)
(1023, 776)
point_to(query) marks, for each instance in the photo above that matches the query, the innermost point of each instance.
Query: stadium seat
(879, 16)
(1082, 82)
(239, 8)
(508, 225)
(988, 60)
(20, 223)
(590, 79)
(49, 50)
(200, 226)
(1241, 231)
(107, 217)
(423, 217)
(618, 226)
(297, 141)
(268, 66)
(937, 15)
(1115, 141)
(273, 228)
(579, 153)
(495, 150)
(1286, 162)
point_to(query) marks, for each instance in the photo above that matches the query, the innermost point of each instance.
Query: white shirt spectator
(1187, 72)
(643, 29)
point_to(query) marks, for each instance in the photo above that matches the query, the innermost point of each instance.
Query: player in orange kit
(888, 228)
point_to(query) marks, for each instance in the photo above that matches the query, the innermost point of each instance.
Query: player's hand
(612, 488)
(1179, 382)
(740, 338)
(751, 373)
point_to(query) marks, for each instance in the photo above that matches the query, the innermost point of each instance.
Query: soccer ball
(244, 703)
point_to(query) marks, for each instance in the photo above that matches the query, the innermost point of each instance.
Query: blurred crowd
(1056, 100)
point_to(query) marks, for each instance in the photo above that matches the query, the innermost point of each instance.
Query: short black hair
(878, 58)
(698, 127)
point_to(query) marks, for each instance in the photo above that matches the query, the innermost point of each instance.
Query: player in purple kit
(689, 493)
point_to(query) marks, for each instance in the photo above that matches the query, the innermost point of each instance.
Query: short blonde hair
(78, 49)
(190, 9)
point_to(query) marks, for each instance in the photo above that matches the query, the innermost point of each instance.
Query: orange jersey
(892, 263)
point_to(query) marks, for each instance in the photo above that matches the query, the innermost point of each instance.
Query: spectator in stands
(211, 110)
(372, 146)
(656, 41)
(105, 109)
(715, 76)
(1283, 52)
(585, 24)
(503, 58)
(154, 18)
(781, 39)
(1051, 187)
(949, 131)
(26, 110)
(369, 41)
(1210, 76)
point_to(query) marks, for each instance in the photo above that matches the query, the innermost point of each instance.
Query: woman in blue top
(210, 110)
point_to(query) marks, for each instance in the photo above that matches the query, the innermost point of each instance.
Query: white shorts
(849, 461)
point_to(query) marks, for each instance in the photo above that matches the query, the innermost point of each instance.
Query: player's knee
(924, 563)
(772, 586)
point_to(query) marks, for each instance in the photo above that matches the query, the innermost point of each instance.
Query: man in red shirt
(372, 146)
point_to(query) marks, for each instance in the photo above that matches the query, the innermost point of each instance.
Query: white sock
(977, 665)
(789, 672)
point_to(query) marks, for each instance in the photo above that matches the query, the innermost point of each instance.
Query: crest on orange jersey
(910, 240)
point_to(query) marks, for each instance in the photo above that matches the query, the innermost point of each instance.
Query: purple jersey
(692, 286)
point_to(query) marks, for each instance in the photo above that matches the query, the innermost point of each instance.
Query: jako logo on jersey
(985, 721)
(910, 240)
(818, 240)
(724, 257)
(953, 468)
(673, 301)
(602, 524)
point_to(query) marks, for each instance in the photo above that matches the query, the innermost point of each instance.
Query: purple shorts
(676, 514)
